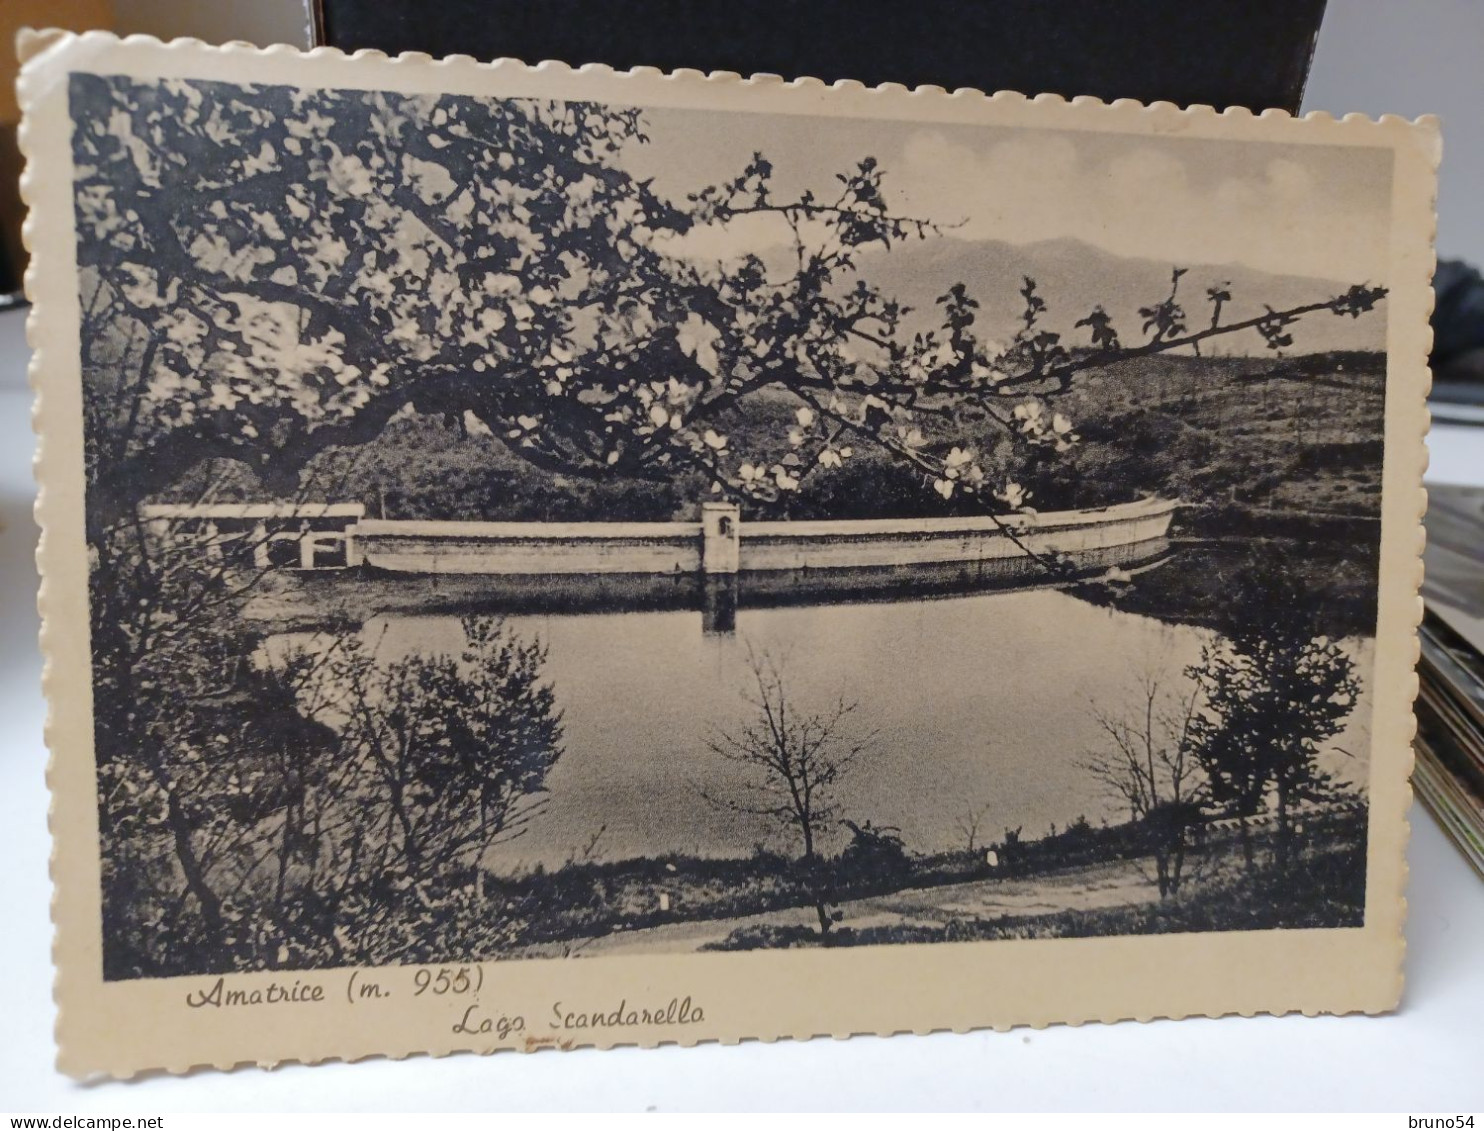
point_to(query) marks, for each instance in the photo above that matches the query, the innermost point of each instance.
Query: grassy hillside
(1262, 437)
(1280, 446)
(1298, 436)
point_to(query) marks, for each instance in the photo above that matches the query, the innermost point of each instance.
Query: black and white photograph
(538, 557)
(524, 528)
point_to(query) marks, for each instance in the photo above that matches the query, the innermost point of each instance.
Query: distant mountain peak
(1074, 276)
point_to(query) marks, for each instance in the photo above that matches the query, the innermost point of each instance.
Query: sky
(1320, 211)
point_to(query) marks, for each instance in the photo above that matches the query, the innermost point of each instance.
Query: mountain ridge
(1073, 277)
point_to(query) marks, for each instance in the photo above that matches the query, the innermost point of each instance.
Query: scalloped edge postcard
(538, 557)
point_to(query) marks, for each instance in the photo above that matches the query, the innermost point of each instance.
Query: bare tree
(798, 758)
(970, 824)
(1148, 763)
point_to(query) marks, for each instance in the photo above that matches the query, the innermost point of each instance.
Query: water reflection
(981, 700)
(719, 598)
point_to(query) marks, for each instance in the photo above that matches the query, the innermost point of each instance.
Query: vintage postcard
(546, 558)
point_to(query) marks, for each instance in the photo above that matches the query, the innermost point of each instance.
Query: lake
(980, 702)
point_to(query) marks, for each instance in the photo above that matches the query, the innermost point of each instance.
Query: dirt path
(1101, 886)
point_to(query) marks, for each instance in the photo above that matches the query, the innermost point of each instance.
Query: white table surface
(1429, 1056)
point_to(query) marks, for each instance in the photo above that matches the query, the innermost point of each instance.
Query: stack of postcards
(1449, 777)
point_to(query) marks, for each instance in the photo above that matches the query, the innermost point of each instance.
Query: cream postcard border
(121, 1028)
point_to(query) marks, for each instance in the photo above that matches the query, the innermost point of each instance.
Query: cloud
(1154, 198)
(998, 193)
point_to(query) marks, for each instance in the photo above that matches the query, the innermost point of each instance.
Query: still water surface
(980, 703)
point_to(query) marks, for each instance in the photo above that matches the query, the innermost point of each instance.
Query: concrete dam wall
(721, 543)
(527, 547)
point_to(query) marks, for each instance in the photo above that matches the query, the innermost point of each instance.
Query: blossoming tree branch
(275, 277)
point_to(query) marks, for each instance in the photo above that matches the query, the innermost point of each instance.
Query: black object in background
(1458, 334)
(1253, 53)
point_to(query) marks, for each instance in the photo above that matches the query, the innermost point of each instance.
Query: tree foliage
(1274, 695)
(456, 749)
(321, 806)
